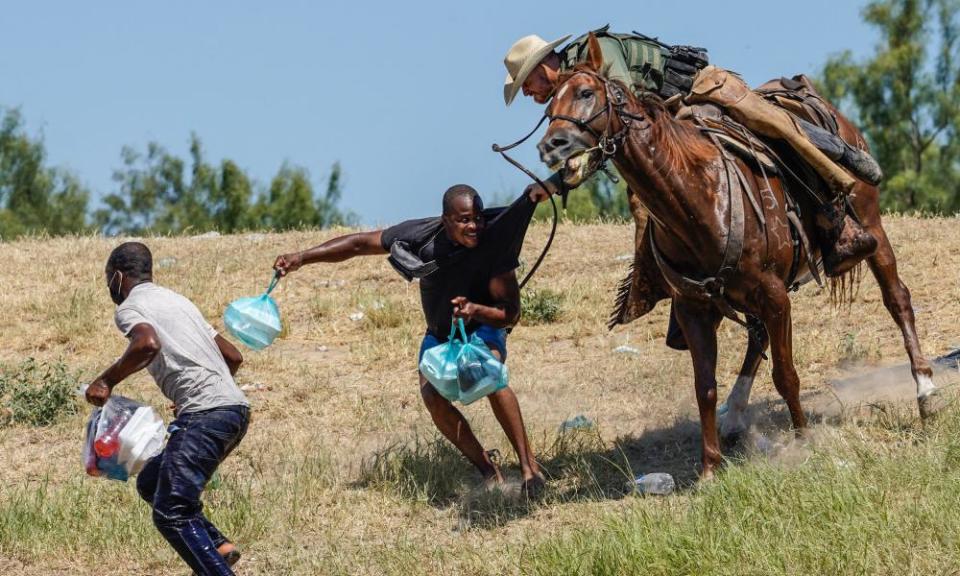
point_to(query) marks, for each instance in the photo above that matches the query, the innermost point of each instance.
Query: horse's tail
(845, 288)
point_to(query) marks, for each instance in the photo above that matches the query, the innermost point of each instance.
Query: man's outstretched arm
(143, 348)
(337, 250)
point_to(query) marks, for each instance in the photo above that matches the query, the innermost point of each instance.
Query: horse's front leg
(775, 313)
(699, 323)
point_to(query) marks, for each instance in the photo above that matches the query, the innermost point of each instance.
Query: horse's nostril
(558, 142)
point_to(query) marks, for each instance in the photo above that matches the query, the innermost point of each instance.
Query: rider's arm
(337, 250)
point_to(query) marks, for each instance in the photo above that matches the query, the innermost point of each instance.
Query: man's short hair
(455, 192)
(132, 259)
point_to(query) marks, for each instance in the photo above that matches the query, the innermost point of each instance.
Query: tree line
(905, 97)
(156, 192)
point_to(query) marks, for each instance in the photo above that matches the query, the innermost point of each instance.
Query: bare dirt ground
(336, 392)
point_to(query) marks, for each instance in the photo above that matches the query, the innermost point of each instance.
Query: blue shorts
(494, 338)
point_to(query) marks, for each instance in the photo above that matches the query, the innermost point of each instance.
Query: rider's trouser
(725, 89)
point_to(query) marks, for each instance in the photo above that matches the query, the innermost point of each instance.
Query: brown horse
(684, 181)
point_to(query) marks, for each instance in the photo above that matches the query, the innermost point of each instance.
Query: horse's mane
(681, 142)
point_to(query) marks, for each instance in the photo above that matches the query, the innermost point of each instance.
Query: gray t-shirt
(189, 369)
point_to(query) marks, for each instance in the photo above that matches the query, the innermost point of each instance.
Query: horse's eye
(586, 93)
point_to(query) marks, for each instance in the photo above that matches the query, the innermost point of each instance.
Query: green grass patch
(37, 394)
(853, 507)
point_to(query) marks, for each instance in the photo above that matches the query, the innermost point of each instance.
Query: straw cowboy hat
(522, 58)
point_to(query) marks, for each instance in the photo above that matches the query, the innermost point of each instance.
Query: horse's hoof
(931, 404)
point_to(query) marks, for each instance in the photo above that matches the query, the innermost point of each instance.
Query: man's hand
(538, 194)
(463, 308)
(287, 263)
(98, 392)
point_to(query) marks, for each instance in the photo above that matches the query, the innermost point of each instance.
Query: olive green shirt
(636, 63)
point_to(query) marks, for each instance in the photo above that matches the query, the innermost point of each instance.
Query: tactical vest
(653, 65)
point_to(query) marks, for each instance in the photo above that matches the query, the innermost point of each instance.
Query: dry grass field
(342, 473)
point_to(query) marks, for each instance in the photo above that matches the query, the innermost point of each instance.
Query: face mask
(116, 295)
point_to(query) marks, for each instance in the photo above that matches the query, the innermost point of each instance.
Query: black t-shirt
(462, 271)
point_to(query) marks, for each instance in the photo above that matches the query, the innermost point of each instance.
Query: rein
(502, 150)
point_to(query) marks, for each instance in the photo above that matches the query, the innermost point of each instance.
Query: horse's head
(582, 119)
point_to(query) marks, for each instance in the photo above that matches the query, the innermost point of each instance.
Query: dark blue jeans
(173, 480)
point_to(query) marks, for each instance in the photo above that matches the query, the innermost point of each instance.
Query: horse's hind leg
(776, 317)
(735, 421)
(699, 324)
(896, 298)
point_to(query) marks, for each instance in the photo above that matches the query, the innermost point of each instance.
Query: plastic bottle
(578, 422)
(108, 443)
(659, 483)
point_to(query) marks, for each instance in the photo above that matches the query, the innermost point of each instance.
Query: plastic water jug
(254, 321)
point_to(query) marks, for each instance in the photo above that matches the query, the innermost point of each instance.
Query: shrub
(37, 394)
(540, 306)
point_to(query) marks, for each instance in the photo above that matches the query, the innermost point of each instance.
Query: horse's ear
(594, 59)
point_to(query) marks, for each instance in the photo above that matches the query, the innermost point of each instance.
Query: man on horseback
(681, 73)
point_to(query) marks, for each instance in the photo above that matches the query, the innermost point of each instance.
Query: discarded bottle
(658, 483)
(109, 442)
(578, 422)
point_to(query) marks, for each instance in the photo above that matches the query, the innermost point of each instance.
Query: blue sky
(406, 95)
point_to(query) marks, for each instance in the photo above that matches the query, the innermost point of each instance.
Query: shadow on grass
(580, 466)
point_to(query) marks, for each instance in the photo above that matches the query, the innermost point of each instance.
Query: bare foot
(229, 553)
(534, 486)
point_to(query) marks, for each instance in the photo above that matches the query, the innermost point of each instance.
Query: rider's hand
(463, 308)
(98, 392)
(537, 193)
(287, 263)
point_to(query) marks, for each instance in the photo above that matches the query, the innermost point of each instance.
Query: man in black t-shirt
(473, 254)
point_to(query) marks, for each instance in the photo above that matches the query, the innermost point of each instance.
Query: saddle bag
(680, 65)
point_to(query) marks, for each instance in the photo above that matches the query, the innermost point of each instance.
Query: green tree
(156, 195)
(906, 99)
(291, 203)
(232, 202)
(35, 198)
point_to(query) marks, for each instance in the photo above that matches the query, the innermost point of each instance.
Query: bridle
(607, 145)
(614, 104)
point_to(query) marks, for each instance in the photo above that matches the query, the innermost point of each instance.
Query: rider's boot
(859, 162)
(862, 164)
(844, 243)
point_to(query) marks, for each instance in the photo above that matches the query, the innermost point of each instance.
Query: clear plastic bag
(463, 369)
(439, 365)
(255, 321)
(121, 437)
(479, 373)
